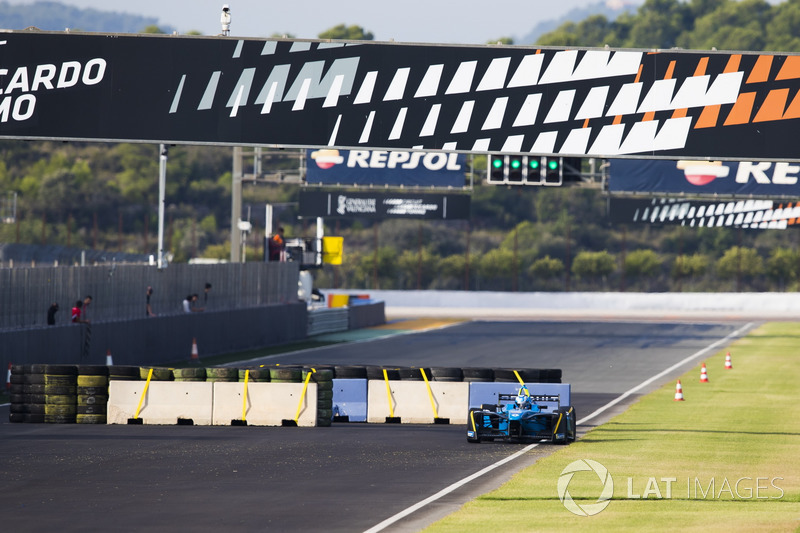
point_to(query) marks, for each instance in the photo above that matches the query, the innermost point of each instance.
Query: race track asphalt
(349, 477)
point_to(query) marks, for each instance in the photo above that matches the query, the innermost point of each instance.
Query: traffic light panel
(534, 172)
(516, 167)
(551, 167)
(498, 170)
(528, 170)
(572, 169)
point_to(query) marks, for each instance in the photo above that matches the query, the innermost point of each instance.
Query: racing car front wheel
(473, 426)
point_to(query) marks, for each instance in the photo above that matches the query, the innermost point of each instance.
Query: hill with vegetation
(55, 16)
(105, 196)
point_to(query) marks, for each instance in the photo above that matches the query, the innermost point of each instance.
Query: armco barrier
(165, 403)
(268, 404)
(486, 393)
(412, 403)
(350, 399)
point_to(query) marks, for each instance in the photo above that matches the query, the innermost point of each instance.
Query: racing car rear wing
(538, 399)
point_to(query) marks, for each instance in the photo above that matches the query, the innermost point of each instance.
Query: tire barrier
(323, 377)
(335, 393)
(60, 394)
(92, 394)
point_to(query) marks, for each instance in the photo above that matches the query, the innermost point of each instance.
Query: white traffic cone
(678, 392)
(109, 359)
(703, 374)
(728, 362)
(195, 354)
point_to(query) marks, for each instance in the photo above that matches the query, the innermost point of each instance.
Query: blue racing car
(522, 417)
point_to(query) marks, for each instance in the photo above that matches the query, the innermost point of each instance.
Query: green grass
(744, 423)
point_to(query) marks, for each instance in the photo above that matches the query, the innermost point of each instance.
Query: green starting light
(552, 164)
(533, 163)
(497, 162)
(515, 163)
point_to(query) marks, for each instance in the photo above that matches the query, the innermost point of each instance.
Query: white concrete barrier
(268, 404)
(164, 403)
(411, 401)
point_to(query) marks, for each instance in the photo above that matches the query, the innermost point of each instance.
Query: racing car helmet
(523, 397)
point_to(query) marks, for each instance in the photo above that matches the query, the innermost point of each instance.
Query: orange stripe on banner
(760, 72)
(793, 111)
(679, 113)
(702, 65)
(617, 120)
(773, 106)
(733, 64)
(708, 118)
(538, 52)
(586, 123)
(742, 109)
(670, 70)
(650, 115)
(790, 69)
(638, 74)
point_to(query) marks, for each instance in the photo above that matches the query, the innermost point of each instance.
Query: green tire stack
(257, 375)
(323, 377)
(60, 394)
(222, 373)
(286, 374)
(92, 393)
(189, 374)
(159, 373)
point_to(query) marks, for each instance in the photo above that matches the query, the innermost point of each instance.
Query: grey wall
(156, 340)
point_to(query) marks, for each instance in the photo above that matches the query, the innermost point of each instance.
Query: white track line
(666, 371)
(458, 484)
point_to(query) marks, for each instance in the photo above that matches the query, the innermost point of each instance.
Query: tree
(690, 266)
(502, 40)
(740, 261)
(546, 268)
(153, 29)
(642, 264)
(347, 33)
(593, 265)
(782, 266)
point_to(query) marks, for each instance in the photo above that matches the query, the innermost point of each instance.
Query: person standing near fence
(149, 309)
(51, 314)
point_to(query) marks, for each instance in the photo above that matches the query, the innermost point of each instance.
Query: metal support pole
(236, 206)
(162, 188)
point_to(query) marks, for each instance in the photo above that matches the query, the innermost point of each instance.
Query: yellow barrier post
(136, 419)
(436, 419)
(243, 421)
(293, 423)
(391, 419)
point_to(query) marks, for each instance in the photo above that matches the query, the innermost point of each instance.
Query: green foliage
(153, 29)
(546, 268)
(688, 266)
(739, 261)
(502, 40)
(782, 265)
(593, 265)
(642, 263)
(348, 33)
(698, 24)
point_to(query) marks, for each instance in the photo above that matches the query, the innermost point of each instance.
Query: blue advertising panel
(743, 178)
(380, 167)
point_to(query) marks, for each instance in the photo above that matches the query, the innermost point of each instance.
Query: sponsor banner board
(752, 214)
(378, 167)
(392, 96)
(740, 178)
(381, 205)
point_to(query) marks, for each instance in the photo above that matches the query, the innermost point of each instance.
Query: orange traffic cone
(728, 363)
(109, 359)
(678, 392)
(703, 374)
(195, 354)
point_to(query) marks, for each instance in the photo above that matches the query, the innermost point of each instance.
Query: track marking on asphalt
(458, 484)
(447, 490)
